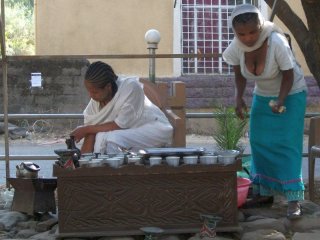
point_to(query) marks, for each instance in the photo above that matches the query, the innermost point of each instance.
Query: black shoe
(294, 210)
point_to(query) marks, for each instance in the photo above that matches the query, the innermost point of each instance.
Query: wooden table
(33, 195)
(103, 201)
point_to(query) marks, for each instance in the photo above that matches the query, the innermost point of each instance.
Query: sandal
(258, 201)
(294, 210)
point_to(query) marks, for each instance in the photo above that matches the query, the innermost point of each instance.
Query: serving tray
(163, 152)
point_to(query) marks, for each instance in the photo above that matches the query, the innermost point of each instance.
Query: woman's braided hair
(100, 74)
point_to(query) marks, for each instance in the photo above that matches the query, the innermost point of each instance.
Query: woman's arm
(82, 131)
(241, 83)
(88, 143)
(286, 85)
(285, 60)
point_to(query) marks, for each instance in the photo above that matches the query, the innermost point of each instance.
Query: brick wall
(209, 91)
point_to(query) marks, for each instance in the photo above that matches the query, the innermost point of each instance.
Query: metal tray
(163, 152)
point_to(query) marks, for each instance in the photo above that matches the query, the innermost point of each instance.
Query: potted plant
(228, 133)
(229, 129)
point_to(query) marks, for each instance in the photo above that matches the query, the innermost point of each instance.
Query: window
(205, 29)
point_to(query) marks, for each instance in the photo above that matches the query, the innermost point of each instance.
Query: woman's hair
(245, 18)
(100, 74)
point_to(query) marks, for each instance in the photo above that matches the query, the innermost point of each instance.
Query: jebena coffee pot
(72, 153)
(27, 170)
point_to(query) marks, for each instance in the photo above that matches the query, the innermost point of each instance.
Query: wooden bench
(171, 99)
(313, 152)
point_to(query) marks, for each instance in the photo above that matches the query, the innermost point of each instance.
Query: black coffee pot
(72, 152)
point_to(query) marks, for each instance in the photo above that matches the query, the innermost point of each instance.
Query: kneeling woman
(119, 114)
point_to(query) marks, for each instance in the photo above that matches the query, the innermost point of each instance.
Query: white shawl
(125, 108)
(267, 28)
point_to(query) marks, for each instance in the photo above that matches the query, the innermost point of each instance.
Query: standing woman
(260, 52)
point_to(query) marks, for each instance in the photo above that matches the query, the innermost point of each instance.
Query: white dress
(142, 123)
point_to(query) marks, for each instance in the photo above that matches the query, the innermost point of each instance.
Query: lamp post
(152, 37)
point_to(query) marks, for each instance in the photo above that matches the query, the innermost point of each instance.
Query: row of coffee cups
(223, 157)
(174, 161)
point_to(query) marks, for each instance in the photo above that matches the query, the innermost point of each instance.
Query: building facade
(103, 27)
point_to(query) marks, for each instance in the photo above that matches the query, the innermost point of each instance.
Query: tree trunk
(307, 37)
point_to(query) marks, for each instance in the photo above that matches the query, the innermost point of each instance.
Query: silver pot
(27, 170)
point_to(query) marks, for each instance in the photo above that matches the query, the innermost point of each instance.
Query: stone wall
(208, 91)
(63, 91)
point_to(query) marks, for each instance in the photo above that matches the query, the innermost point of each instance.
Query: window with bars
(205, 29)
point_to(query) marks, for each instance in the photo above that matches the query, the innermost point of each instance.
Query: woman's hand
(79, 133)
(277, 106)
(241, 108)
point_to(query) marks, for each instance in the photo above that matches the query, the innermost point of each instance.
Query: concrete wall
(105, 27)
(63, 90)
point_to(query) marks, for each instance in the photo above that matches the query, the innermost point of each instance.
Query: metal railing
(80, 116)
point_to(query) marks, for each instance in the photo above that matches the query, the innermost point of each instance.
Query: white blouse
(279, 58)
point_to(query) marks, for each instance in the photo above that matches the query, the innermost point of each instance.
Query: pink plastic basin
(242, 189)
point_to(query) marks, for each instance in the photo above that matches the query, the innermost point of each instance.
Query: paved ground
(46, 146)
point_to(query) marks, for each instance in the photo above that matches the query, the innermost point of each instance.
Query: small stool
(33, 195)
(314, 153)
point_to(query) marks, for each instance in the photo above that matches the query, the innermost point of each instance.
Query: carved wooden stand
(33, 195)
(102, 201)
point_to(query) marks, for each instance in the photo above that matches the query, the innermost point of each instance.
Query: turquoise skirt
(276, 146)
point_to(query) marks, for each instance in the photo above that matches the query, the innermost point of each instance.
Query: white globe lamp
(152, 37)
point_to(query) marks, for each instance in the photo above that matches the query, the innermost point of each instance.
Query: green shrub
(19, 27)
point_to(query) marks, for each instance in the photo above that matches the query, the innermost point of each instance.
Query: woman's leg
(154, 134)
